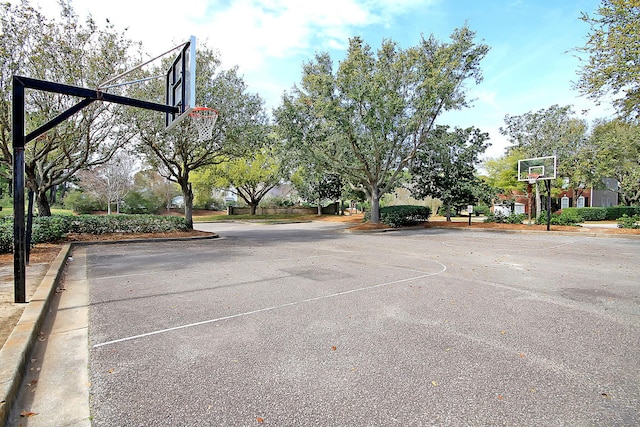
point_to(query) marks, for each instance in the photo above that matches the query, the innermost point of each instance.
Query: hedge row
(402, 215)
(505, 219)
(566, 217)
(611, 213)
(53, 228)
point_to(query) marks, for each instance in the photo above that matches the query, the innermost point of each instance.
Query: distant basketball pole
(538, 169)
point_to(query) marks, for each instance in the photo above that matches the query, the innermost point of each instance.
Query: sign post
(469, 211)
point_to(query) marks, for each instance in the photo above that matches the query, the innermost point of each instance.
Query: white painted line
(261, 310)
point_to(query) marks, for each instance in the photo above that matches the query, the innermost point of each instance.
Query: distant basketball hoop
(204, 119)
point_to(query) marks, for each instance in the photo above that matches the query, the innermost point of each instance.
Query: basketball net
(204, 119)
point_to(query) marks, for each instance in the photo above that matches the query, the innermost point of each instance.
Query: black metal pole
(548, 204)
(29, 226)
(19, 240)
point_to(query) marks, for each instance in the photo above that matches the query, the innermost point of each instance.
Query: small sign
(470, 209)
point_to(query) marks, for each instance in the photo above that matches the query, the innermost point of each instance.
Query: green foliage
(402, 215)
(251, 177)
(444, 167)
(367, 119)
(505, 219)
(442, 211)
(566, 217)
(82, 202)
(6, 235)
(613, 45)
(65, 49)
(49, 228)
(615, 212)
(313, 186)
(481, 210)
(615, 153)
(277, 201)
(627, 221)
(137, 202)
(502, 173)
(55, 227)
(588, 214)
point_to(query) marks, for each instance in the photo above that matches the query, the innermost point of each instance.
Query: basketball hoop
(204, 119)
(533, 177)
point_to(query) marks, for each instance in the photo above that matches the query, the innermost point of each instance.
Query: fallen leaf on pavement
(28, 414)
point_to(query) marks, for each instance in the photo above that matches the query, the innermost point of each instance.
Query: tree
(178, 153)
(445, 167)
(149, 194)
(317, 187)
(502, 172)
(368, 120)
(63, 51)
(250, 178)
(548, 132)
(109, 182)
(613, 46)
(615, 153)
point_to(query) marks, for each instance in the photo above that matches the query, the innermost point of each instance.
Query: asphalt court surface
(305, 324)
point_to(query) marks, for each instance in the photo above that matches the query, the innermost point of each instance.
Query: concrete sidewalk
(16, 352)
(55, 388)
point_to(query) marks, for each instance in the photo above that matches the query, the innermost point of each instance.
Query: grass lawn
(8, 211)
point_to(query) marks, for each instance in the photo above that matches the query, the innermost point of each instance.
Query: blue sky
(530, 65)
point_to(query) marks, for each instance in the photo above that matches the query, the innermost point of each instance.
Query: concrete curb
(16, 350)
(161, 239)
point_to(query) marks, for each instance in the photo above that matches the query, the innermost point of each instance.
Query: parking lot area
(309, 325)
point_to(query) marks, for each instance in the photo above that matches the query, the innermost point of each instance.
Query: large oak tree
(368, 118)
(62, 50)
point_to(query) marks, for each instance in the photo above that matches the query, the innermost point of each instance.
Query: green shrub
(505, 219)
(565, 217)
(54, 228)
(615, 212)
(49, 228)
(627, 221)
(402, 215)
(138, 203)
(6, 235)
(588, 214)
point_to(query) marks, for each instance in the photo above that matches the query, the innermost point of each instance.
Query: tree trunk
(109, 207)
(187, 193)
(319, 207)
(53, 193)
(253, 207)
(42, 200)
(375, 206)
(447, 207)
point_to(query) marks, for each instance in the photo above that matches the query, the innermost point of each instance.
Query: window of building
(581, 202)
(564, 202)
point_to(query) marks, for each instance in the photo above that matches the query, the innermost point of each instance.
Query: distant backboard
(537, 168)
(181, 83)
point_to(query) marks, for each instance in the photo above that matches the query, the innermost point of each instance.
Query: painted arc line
(275, 307)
